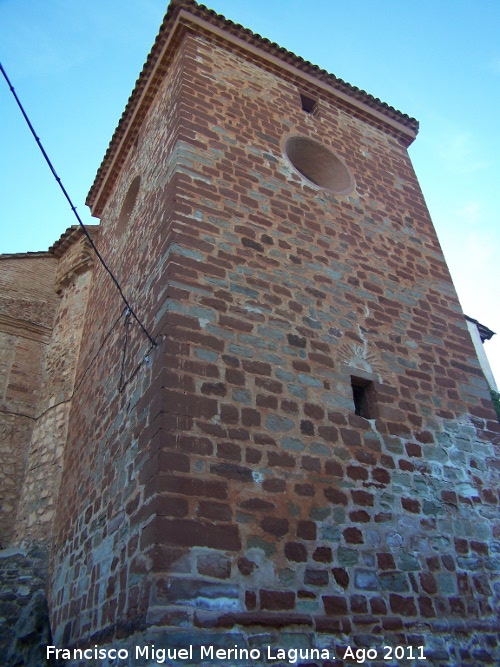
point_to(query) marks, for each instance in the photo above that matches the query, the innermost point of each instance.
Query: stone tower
(308, 456)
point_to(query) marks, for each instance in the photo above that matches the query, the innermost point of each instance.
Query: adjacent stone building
(308, 455)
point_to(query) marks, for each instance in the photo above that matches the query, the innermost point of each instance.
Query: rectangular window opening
(363, 396)
(309, 105)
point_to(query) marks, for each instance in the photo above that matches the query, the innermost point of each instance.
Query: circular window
(128, 204)
(318, 165)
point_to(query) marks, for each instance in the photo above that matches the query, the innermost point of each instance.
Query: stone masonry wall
(24, 617)
(45, 452)
(229, 494)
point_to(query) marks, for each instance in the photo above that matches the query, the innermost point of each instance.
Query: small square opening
(363, 397)
(309, 104)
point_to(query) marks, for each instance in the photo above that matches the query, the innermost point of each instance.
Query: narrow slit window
(128, 205)
(362, 394)
(309, 105)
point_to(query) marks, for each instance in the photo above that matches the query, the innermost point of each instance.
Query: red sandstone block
(385, 561)
(321, 359)
(381, 475)
(252, 455)
(378, 606)
(250, 600)
(480, 548)
(350, 437)
(306, 595)
(171, 506)
(481, 584)
(213, 389)
(216, 511)
(353, 536)
(266, 401)
(290, 407)
(357, 472)
(328, 433)
(257, 505)
(272, 386)
(428, 582)
(198, 338)
(337, 418)
(387, 462)
(301, 366)
(323, 555)
(250, 417)
(228, 450)
(314, 577)
(398, 428)
(457, 606)
(304, 490)
(392, 624)
(189, 405)
(461, 546)
(360, 422)
(411, 505)
(191, 444)
(402, 605)
(314, 411)
(277, 600)
(311, 463)
(362, 498)
(335, 496)
(264, 439)
(281, 460)
(190, 533)
(232, 471)
(214, 303)
(306, 530)
(274, 526)
(489, 496)
(335, 605)
(413, 449)
(193, 486)
(358, 604)
(235, 324)
(229, 414)
(237, 433)
(306, 427)
(296, 552)
(334, 468)
(169, 461)
(257, 367)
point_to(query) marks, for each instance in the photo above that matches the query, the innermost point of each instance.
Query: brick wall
(40, 335)
(46, 448)
(229, 486)
(27, 307)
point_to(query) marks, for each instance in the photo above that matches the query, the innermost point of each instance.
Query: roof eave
(182, 14)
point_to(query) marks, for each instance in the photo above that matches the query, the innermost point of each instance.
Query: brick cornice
(14, 326)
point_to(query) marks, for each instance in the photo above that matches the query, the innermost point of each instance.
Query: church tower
(307, 458)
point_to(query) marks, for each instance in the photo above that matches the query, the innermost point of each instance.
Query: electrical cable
(134, 373)
(73, 208)
(122, 383)
(124, 354)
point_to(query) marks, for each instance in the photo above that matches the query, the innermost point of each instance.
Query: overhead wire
(73, 208)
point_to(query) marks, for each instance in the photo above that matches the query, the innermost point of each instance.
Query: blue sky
(75, 62)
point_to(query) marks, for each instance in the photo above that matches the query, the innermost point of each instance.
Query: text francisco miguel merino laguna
(162, 655)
